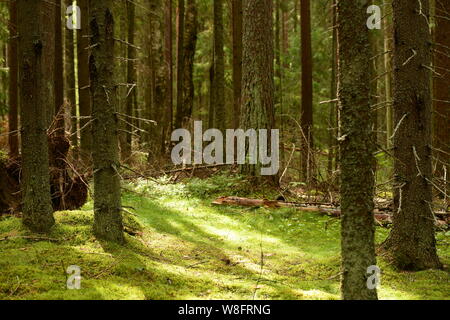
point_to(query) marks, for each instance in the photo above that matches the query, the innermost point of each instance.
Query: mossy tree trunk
(411, 243)
(357, 147)
(36, 54)
(257, 108)
(105, 153)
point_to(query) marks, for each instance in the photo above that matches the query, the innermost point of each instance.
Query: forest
(225, 150)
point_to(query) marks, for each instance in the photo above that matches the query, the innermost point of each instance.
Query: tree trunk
(13, 120)
(442, 95)
(332, 132)
(107, 202)
(190, 42)
(36, 49)
(83, 83)
(131, 80)
(357, 178)
(59, 71)
(411, 243)
(257, 109)
(219, 68)
(180, 64)
(307, 92)
(69, 85)
(168, 53)
(237, 59)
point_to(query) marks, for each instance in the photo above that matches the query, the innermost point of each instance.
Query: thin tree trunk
(180, 64)
(307, 92)
(332, 132)
(411, 242)
(357, 178)
(13, 120)
(36, 48)
(69, 85)
(107, 202)
(83, 83)
(168, 53)
(190, 43)
(219, 68)
(59, 70)
(442, 94)
(237, 59)
(131, 80)
(388, 69)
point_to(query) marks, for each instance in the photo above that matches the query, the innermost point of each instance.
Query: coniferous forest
(224, 150)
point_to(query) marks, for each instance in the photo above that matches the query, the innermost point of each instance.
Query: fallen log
(380, 218)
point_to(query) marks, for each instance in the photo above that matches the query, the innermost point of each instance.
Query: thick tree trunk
(36, 49)
(13, 120)
(237, 59)
(219, 68)
(83, 83)
(357, 178)
(107, 202)
(257, 109)
(307, 93)
(442, 95)
(411, 243)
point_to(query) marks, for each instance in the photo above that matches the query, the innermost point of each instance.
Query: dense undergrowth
(179, 246)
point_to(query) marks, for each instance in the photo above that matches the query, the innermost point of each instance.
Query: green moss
(189, 249)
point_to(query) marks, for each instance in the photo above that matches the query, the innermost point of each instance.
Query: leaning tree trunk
(411, 243)
(257, 72)
(36, 49)
(107, 202)
(357, 147)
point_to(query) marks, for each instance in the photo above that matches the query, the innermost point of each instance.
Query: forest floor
(183, 247)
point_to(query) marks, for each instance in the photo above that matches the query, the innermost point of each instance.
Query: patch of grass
(190, 249)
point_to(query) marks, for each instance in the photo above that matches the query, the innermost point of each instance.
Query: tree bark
(59, 71)
(411, 243)
(13, 120)
(36, 49)
(83, 83)
(180, 64)
(237, 59)
(190, 42)
(168, 54)
(307, 92)
(357, 178)
(219, 68)
(257, 108)
(107, 202)
(442, 94)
